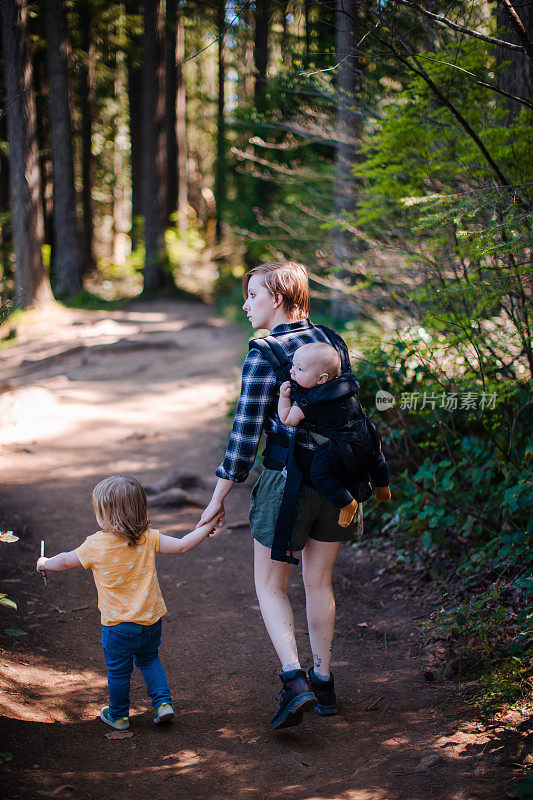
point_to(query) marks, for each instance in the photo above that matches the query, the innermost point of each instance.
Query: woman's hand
(285, 389)
(214, 509)
(216, 505)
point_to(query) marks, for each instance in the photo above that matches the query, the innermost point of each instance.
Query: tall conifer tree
(31, 280)
(67, 251)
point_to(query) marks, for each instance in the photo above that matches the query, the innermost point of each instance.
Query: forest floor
(145, 390)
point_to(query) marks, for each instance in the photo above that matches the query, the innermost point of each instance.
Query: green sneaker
(164, 713)
(119, 724)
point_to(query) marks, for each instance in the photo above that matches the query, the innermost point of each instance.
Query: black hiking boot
(294, 698)
(325, 695)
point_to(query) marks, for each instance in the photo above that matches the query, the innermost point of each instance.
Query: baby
(328, 400)
(122, 558)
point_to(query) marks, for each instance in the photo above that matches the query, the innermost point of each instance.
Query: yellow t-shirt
(125, 577)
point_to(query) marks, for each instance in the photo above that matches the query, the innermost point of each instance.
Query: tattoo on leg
(317, 661)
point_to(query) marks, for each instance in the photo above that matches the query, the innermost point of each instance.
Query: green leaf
(5, 601)
(5, 757)
(8, 536)
(14, 632)
(524, 790)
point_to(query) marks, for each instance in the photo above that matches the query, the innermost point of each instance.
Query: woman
(277, 299)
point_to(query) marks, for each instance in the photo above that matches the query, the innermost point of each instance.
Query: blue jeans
(122, 644)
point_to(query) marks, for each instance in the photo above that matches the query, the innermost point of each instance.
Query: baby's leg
(325, 481)
(148, 661)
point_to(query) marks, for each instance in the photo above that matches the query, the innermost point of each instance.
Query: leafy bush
(462, 492)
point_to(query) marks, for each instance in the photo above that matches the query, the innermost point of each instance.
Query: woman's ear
(278, 300)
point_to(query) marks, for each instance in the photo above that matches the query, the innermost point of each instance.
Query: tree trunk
(181, 125)
(5, 227)
(31, 280)
(43, 146)
(348, 133)
(135, 104)
(307, 19)
(67, 252)
(246, 74)
(516, 72)
(286, 55)
(153, 104)
(262, 24)
(86, 88)
(171, 89)
(120, 222)
(220, 176)
(134, 59)
(261, 45)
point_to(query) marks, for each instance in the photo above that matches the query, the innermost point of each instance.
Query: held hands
(217, 520)
(285, 389)
(214, 512)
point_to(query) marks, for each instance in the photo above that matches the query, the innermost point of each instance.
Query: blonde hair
(286, 278)
(325, 357)
(120, 506)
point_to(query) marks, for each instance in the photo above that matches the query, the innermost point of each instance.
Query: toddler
(122, 557)
(328, 401)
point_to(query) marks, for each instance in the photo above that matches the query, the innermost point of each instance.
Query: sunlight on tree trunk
(153, 148)
(348, 135)
(32, 285)
(220, 172)
(181, 130)
(66, 252)
(87, 84)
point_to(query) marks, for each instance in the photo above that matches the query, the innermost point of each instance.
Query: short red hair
(287, 278)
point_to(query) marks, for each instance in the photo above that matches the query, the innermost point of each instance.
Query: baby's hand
(41, 563)
(285, 389)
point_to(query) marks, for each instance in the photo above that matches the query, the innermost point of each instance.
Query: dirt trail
(145, 390)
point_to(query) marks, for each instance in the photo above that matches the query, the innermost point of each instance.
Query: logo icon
(384, 400)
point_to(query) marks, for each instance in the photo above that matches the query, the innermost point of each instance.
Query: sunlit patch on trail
(41, 693)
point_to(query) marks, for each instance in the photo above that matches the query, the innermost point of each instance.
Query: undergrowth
(460, 519)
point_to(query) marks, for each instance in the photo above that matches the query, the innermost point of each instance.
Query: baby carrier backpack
(352, 452)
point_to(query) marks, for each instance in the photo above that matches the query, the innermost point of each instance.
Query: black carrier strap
(282, 540)
(339, 344)
(273, 352)
(282, 452)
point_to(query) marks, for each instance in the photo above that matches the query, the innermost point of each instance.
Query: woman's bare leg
(271, 582)
(318, 560)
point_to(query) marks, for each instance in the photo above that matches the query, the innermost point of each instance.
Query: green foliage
(5, 601)
(462, 498)
(503, 683)
(524, 791)
(7, 309)
(92, 302)
(7, 536)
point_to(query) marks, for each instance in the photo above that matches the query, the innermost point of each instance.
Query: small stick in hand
(43, 572)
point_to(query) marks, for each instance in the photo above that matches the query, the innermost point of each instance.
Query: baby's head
(120, 506)
(315, 363)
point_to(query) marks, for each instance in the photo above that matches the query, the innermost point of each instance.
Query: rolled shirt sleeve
(256, 398)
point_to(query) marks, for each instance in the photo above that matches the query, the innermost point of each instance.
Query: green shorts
(314, 516)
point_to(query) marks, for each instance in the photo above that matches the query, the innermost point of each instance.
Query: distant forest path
(145, 390)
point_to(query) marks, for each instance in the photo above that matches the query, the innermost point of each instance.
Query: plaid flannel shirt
(257, 407)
